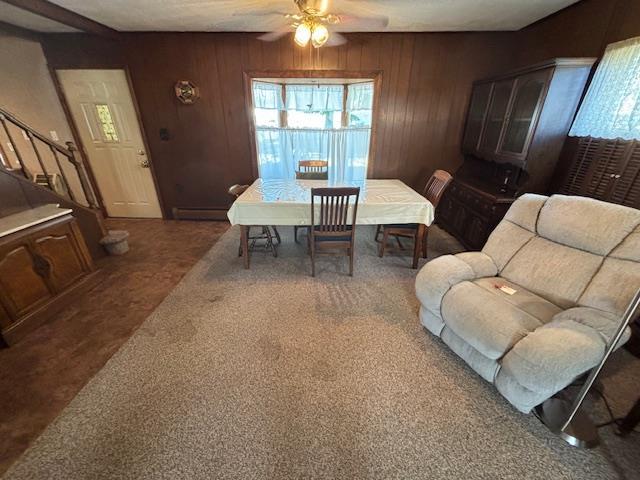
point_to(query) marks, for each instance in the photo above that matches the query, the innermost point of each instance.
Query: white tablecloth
(287, 202)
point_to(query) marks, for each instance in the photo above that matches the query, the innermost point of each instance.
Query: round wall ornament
(187, 92)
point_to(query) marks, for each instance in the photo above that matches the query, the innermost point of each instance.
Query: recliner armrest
(436, 278)
(551, 357)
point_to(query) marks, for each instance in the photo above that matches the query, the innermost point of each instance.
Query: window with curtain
(611, 108)
(313, 122)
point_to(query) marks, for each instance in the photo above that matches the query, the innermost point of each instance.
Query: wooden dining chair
(433, 191)
(334, 230)
(312, 170)
(265, 233)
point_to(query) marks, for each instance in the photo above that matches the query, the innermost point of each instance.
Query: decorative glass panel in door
(496, 116)
(527, 98)
(475, 118)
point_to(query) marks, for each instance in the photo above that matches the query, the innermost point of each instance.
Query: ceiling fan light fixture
(303, 34)
(319, 35)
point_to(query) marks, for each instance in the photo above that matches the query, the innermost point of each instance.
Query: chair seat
(503, 320)
(337, 238)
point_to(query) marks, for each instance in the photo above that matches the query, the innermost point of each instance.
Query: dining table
(282, 202)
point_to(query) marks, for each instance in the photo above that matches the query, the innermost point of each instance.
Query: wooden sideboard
(43, 265)
(470, 211)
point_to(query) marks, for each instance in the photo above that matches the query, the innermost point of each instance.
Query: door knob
(144, 163)
(141, 152)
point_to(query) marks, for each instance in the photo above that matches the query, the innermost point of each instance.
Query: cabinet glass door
(475, 118)
(496, 116)
(527, 97)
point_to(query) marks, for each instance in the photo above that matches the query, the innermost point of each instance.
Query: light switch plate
(10, 145)
(54, 135)
(24, 134)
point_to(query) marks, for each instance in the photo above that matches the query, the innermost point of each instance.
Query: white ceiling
(261, 15)
(22, 18)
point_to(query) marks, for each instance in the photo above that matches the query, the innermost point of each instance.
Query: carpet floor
(270, 373)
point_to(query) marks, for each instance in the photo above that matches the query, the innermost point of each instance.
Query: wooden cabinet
(516, 127)
(41, 267)
(470, 213)
(605, 169)
(521, 119)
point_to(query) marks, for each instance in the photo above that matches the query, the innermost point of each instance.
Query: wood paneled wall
(582, 30)
(426, 82)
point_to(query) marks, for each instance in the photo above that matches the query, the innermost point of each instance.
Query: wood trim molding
(62, 15)
(249, 75)
(53, 72)
(19, 32)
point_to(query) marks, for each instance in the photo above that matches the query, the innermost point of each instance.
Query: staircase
(48, 172)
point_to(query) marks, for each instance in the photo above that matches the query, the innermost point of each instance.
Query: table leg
(417, 247)
(244, 240)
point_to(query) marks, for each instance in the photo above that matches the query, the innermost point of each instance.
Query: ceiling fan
(313, 21)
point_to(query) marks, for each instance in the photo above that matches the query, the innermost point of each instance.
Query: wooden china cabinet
(515, 129)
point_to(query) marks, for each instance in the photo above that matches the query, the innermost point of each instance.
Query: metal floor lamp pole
(566, 419)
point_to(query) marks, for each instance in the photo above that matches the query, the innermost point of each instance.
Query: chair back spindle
(334, 208)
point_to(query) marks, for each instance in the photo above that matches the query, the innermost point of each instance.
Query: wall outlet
(54, 135)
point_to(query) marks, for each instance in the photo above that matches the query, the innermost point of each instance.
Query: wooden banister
(68, 151)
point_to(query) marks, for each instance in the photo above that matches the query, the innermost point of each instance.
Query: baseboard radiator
(187, 213)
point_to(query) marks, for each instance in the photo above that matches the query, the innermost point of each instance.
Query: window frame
(374, 76)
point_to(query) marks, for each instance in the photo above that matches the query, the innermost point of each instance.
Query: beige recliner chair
(574, 264)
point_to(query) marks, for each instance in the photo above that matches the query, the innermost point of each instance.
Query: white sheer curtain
(346, 149)
(360, 96)
(315, 98)
(267, 96)
(611, 108)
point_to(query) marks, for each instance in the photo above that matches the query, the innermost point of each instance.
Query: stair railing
(59, 153)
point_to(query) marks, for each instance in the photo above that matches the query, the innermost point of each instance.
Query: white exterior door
(102, 108)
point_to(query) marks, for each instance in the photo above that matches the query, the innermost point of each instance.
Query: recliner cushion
(613, 286)
(550, 358)
(530, 303)
(555, 272)
(525, 211)
(505, 241)
(585, 223)
(492, 324)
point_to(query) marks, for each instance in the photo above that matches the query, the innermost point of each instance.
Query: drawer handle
(41, 266)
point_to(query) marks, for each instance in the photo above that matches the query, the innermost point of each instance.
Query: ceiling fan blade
(369, 23)
(263, 13)
(276, 34)
(335, 40)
